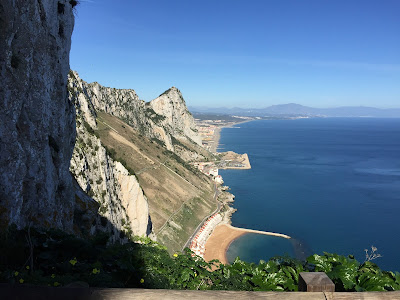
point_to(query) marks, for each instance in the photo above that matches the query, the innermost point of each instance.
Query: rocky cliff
(165, 119)
(38, 135)
(37, 132)
(175, 115)
(123, 205)
(117, 132)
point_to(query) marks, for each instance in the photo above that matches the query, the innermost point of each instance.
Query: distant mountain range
(293, 109)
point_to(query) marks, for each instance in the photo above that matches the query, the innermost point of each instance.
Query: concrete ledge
(44, 293)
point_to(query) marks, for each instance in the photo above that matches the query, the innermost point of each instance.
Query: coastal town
(209, 127)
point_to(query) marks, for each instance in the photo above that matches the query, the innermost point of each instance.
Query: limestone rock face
(165, 118)
(178, 119)
(123, 205)
(37, 131)
(133, 200)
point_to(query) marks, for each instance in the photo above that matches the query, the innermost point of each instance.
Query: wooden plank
(364, 295)
(14, 292)
(43, 293)
(315, 282)
(129, 294)
(50, 293)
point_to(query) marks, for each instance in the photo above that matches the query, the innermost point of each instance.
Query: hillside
(179, 196)
(167, 198)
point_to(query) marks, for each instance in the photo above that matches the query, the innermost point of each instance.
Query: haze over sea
(333, 184)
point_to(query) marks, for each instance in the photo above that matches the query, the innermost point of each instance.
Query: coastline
(216, 138)
(217, 134)
(219, 241)
(224, 234)
(242, 158)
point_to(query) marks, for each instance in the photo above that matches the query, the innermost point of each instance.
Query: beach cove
(222, 237)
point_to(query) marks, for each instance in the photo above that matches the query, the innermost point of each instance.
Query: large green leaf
(321, 263)
(374, 282)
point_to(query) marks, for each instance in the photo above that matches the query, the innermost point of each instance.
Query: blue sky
(252, 53)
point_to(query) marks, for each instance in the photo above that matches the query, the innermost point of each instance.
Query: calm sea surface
(332, 184)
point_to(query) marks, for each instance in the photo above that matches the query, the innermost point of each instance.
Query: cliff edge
(37, 132)
(121, 198)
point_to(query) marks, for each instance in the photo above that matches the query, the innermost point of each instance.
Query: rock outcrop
(37, 132)
(123, 205)
(176, 116)
(165, 119)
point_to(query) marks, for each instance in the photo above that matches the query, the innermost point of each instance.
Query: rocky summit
(164, 118)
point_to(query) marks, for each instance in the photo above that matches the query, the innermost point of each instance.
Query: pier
(259, 232)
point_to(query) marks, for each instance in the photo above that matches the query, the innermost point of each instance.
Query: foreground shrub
(56, 259)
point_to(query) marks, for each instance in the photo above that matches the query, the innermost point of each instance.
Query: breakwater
(260, 232)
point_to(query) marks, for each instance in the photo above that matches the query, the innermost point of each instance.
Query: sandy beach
(215, 138)
(219, 242)
(222, 237)
(217, 134)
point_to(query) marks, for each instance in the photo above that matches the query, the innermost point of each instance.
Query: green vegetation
(113, 154)
(186, 165)
(165, 92)
(158, 141)
(56, 259)
(184, 221)
(90, 129)
(151, 114)
(177, 142)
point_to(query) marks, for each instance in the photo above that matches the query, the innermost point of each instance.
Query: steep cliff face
(122, 201)
(177, 118)
(37, 130)
(165, 119)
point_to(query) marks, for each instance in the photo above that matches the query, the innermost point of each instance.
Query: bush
(59, 258)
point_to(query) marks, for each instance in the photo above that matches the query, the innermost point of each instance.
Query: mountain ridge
(298, 109)
(156, 119)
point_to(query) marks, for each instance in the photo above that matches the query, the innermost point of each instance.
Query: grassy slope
(179, 196)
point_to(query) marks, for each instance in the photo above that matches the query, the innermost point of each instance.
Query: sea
(332, 184)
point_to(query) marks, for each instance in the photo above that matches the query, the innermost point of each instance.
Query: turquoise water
(332, 184)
